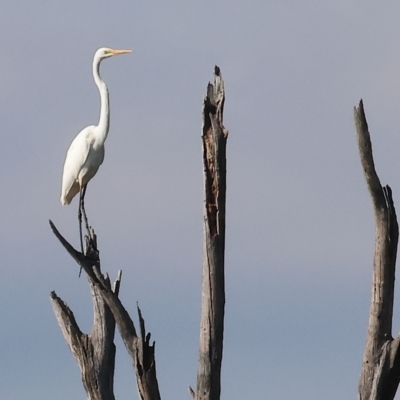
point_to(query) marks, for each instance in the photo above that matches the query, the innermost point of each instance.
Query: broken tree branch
(214, 138)
(380, 373)
(94, 352)
(141, 351)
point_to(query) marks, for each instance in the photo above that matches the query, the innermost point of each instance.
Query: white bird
(86, 152)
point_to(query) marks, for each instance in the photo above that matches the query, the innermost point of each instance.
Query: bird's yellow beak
(115, 52)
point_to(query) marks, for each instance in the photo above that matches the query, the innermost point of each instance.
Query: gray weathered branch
(380, 373)
(94, 352)
(139, 348)
(214, 137)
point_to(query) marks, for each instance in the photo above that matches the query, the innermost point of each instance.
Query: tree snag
(380, 373)
(139, 348)
(214, 138)
(94, 352)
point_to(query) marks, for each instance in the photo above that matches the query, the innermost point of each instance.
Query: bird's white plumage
(86, 152)
(84, 158)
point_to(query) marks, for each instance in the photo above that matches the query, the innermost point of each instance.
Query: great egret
(86, 152)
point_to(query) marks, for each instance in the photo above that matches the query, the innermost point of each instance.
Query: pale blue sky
(300, 229)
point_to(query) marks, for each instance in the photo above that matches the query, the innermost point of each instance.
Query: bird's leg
(80, 220)
(83, 210)
(82, 192)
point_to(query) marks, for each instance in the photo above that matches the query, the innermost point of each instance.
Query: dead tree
(139, 347)
(380, 373)
(214, 138)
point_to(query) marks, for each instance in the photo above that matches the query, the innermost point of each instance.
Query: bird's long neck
(104, 121)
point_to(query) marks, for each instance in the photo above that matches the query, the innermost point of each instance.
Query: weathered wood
(380, 373)
(141, 351)
(214, 138)
(94, 352)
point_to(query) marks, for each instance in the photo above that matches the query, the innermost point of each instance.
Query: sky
(299, 229)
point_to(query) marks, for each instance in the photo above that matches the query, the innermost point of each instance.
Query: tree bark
(380, 373)
(214, 138)
(141, 351)
(94, 352)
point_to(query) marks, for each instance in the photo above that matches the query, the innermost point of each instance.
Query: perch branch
(141, 351)
(94, 353)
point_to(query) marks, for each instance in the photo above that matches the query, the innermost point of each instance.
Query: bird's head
(105, 52)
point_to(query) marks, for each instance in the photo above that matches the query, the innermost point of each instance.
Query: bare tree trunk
(213, 293)
(380, 373)
(139, 348)
(94, 353)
